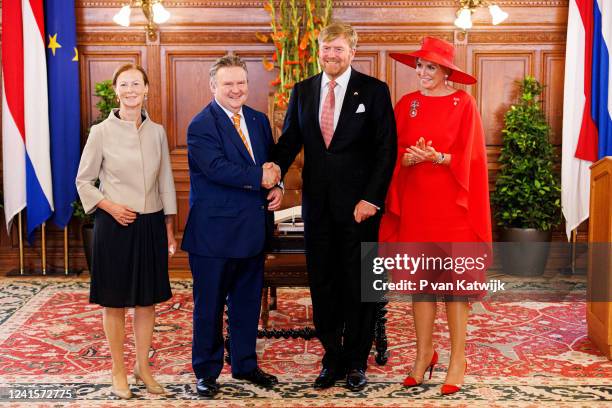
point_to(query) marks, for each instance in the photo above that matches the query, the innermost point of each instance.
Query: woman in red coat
(439, 190)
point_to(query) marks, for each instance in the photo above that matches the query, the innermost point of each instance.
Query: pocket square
(360, 108)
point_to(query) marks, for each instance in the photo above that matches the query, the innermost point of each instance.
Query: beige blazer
(133, 166)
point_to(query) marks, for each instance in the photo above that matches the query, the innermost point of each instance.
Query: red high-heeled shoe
(410, 381)
(448, 389)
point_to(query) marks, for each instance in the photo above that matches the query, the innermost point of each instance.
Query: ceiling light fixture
(464, 14)
(153, 10)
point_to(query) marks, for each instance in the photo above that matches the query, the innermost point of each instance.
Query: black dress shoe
(327, 378)
(258, 377)
(356, 379)
(207, 387)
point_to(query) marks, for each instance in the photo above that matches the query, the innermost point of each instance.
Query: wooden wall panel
(188, 89)
(402, 78)
(553, 72)
(366, 62)
(98, 64)
(188, 92)
(496, 89)
(259, 79)
(532, 41)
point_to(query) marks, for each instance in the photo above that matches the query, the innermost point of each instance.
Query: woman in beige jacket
(134, 206)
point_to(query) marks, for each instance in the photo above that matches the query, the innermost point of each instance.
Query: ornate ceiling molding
(367, 37)
(516, 37)
(401, 37)
(106, 38)
(201, 37)
(224, 37)
(337, 3)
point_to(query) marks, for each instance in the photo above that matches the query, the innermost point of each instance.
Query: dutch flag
(587, 103)
(25, 120)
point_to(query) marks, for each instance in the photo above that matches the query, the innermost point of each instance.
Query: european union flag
(64, 107)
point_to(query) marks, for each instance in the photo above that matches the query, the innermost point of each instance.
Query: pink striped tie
(327, 115)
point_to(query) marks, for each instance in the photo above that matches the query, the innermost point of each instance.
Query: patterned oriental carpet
(531, 354)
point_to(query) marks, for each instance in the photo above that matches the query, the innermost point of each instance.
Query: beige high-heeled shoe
(152, 388)
(123, 394)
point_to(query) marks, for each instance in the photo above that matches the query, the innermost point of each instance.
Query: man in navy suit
(344, 121)
(233, 191)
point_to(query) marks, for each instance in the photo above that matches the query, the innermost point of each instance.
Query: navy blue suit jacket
(228, 216)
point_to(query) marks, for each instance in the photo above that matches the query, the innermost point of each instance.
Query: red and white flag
(25, 119)
(13, 122)
(39, 187)
(587, 107)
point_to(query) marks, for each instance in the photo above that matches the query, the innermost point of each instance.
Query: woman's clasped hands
(420, 152)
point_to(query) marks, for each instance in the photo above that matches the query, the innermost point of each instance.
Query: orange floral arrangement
(295, 28)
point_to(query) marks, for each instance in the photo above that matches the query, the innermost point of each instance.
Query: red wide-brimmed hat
(440, 52)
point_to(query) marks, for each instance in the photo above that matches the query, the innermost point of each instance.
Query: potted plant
(527, 196)
(86, 229)
(107, 101)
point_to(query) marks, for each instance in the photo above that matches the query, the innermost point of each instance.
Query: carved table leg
(380, 334)
(305, 333)
(272, 297)
(227, 340)
(265, 308)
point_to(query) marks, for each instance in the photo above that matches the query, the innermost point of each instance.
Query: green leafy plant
(527, 192)
(106, 103)
(79, 212)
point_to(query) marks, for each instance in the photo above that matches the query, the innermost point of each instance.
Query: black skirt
(130, 264)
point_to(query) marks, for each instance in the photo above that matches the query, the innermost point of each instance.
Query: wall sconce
(464, 14)
(153, 10)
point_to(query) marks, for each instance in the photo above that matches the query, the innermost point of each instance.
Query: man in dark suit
(232, 192)
(344, 121)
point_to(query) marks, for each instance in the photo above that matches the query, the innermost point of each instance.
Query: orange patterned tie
(236, 119)
(327, 114)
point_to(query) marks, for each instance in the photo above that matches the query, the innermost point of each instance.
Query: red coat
(437, 203)
(429, 202)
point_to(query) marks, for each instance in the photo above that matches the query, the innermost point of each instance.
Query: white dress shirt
(339, 92)
(243, 126)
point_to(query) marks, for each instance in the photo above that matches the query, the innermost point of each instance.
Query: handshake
(271, 175)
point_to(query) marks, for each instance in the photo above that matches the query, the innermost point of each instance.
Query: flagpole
(66, 250)
(572, 268)
(44, 249)
(19, 227)
(574, 239)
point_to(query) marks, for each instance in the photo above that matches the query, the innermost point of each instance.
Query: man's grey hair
(226, 61)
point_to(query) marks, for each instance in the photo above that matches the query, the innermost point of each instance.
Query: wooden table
(286, 267)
